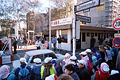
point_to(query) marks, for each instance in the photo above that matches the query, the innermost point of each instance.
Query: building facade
(103, 15)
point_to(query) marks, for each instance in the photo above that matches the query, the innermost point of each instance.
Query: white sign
(6, 59)
(63, 21)
(77, 29)
(87, 5)
(117, 35)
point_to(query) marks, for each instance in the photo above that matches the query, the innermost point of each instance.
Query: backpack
(46, 73)
(90, 67)
(24, 74)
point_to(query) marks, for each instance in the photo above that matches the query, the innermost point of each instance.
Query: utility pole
(49, 25)
(73, 28)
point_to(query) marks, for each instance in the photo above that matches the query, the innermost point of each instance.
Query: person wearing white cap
(36, 69)
(84, 56)
(47, 68)
(24, 68)
(66, 59)
(82, 71)
(89, 53)
(103, 72)
(73, 60)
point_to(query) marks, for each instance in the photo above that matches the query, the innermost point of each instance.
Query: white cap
(114, 72)
(67, 54)
(37, 60)
(83, 53)
(73, 58)
(47, 59)
(23, 60)
(51, 77)
(88, 51)
(82, 62)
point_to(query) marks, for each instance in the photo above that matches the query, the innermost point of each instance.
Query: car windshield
(27, 57)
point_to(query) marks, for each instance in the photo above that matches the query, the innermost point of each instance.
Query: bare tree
(61, 9)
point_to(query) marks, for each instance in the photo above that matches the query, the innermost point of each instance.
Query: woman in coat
(103, 72)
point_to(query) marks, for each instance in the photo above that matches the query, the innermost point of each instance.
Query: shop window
(88, 34)
(64, 36)
(83, 37)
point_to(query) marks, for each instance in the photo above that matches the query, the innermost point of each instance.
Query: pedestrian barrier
(6, 55)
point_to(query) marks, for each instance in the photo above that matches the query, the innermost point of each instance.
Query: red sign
(116, 42)
(116, 24)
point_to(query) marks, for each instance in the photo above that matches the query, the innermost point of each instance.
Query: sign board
(63, 21)
(77, 29)
(116, 42)
(83, 18)
(116, 24)
(117, 35)
(87, 5)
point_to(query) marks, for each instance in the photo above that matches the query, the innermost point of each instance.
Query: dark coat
(74, 76)
(83, 72)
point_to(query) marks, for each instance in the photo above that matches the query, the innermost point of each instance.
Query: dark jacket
(74, 76)
(102, 56)
(82, 73)
(114, 77)
(18, 69)
(36, 75)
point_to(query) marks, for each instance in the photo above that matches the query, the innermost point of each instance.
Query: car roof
(38, 52)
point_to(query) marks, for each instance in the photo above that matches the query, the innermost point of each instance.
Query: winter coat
(22, 66)
(36, 72)
(74, 76)
(118, 62)
(101, 76)
(82, 73)
(52, 71)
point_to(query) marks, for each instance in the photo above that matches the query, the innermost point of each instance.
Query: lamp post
(73, 28)
(49, 25)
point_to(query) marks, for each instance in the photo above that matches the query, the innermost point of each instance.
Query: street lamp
(49, 25)
(73, 28)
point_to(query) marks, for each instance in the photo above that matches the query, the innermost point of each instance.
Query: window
(98, 36)
(37, 56)
(64, 35)
(50, 55)
(83, 37)
(88, 34)
(92, 34)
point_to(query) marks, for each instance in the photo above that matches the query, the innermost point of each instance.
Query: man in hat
(73, 60)
(47, 68)
(82, 71)
(23, 70)
(36, 69)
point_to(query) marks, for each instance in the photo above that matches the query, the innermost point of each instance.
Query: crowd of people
(102, 65)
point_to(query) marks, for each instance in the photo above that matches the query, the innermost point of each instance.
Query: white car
(42, 54)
